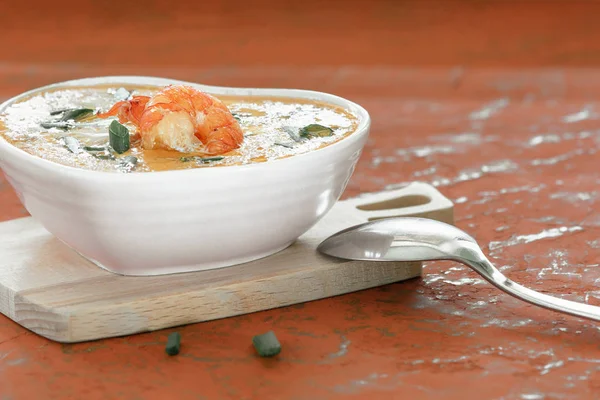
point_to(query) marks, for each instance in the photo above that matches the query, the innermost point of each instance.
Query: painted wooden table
(495, 104)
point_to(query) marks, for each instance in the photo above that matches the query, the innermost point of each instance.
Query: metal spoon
(421, 239)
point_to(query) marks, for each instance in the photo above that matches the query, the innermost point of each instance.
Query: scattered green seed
(266, 344)
(173, 344)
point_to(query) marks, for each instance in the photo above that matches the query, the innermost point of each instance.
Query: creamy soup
(61, 126)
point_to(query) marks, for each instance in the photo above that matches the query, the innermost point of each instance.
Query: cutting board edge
(87, 319)
(71, 321)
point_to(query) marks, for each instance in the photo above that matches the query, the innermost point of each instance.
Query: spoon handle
(485, 268)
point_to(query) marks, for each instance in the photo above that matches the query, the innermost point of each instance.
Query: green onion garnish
(173, 344)
(118, 137)
(69, 114)
(266, 344)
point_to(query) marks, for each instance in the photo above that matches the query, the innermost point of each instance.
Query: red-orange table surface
(516, 152)
(515, 149)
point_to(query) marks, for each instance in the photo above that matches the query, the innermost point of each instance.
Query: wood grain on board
(51, 290)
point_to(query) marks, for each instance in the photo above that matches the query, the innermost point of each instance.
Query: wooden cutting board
(51, 290)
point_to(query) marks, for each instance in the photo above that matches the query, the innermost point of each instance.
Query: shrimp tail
(127, 110)
(224, 139)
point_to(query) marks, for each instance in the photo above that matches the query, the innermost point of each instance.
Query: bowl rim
(361, 130)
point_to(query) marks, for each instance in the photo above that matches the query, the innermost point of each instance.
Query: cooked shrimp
(181, 118)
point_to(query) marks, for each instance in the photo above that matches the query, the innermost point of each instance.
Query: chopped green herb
(72, 113)
(94, 148)
(118, 137)
(266, 344)
(236, 117)
(210, 159)
(76, 114)
(57, 112)
(173, 344)
(69, 114)
(288, 145)
(315, 130)
(201, 159)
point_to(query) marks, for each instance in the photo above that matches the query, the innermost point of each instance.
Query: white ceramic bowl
(184, 220)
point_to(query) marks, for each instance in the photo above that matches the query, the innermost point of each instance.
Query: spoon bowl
(422, 239)
(394, 239)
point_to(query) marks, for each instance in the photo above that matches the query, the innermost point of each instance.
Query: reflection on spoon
(422, 239)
